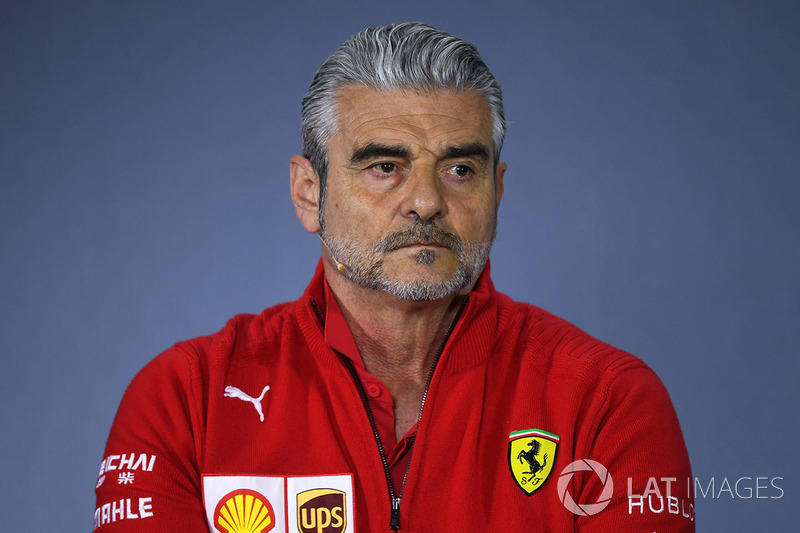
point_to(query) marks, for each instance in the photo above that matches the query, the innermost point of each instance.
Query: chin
(426, 283)
(425, 265)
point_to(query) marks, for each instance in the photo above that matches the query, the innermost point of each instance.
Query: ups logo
(321, 511)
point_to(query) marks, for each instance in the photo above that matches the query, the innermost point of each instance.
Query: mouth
(420, 236)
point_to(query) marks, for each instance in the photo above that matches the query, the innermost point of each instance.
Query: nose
(424, 196)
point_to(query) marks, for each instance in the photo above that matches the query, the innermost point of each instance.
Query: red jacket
(529, 424)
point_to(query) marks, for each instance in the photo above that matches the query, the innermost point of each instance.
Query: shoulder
(189, 367)
(174, 390)
(547, 335)
(607, 397)
(245, 335)
(576, 361)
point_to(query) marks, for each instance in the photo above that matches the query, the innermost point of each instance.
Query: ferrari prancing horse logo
(531, 453)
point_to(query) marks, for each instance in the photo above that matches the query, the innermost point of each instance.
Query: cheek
(353, 222)
(477, 221)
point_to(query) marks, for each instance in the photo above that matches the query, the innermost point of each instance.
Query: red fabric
(339, 337)
(507, 367)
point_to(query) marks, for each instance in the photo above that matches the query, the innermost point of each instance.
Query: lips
(446, 242)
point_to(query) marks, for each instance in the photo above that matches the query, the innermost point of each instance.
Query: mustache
(426, 232)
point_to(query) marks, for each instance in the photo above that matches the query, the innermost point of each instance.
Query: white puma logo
(233, 392)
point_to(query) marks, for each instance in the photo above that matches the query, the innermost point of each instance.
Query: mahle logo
(244, 511)
(585, 509)
(321, 511)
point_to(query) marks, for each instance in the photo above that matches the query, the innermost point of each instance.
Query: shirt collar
(337, 333)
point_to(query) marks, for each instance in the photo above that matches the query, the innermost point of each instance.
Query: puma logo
(233, 392)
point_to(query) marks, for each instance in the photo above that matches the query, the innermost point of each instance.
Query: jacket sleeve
(149, 477)
(639, 446)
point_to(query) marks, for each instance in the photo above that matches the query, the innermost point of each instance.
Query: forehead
(429, 120)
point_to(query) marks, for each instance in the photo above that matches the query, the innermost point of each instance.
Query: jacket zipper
(394, 520)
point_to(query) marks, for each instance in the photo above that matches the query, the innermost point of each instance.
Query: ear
(498, 181)
(304, 184)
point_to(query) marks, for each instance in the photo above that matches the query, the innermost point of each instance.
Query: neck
(397, 339)
(391, 332)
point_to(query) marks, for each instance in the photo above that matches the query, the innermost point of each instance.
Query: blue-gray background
(651, 198)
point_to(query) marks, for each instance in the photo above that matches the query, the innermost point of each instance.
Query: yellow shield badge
(531, 454)
(322, 511)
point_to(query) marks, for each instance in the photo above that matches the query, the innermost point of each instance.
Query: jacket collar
(469, 345)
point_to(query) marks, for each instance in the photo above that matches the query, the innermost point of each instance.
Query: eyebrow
(376, 150)
(479, 150)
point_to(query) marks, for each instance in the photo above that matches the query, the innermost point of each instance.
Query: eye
(384, 167)
(460, 171)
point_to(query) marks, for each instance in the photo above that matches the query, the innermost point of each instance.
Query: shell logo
(244, 511)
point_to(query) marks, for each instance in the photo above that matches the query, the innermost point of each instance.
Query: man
(401, 392)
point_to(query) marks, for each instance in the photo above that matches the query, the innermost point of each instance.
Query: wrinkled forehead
(434, 118)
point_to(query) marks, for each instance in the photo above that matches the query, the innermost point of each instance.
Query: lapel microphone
(339, 265)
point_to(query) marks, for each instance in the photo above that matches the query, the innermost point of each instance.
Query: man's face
(411, 203)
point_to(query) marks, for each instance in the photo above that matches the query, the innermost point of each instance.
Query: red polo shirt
(339, 337)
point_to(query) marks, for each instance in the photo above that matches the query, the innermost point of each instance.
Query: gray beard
(364, 266)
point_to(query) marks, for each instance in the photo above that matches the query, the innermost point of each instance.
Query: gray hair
(412, 55)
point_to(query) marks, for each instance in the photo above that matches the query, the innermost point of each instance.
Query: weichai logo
(321, 511)
(244, 511)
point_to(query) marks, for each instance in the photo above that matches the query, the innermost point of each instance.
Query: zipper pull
(394, 523)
